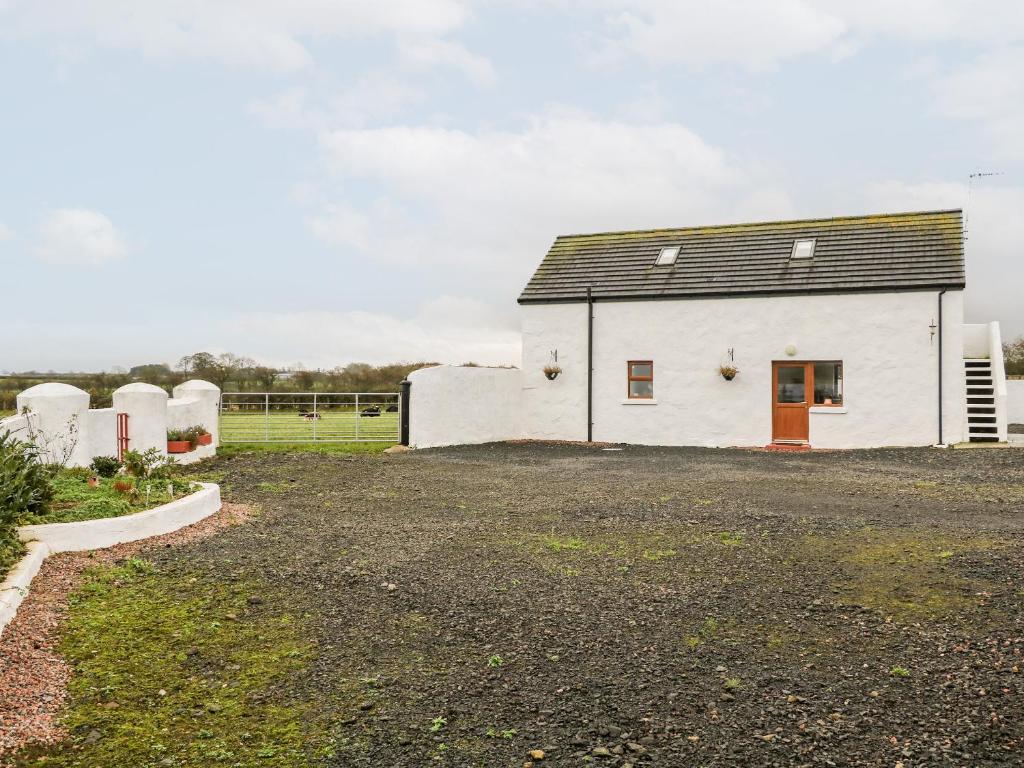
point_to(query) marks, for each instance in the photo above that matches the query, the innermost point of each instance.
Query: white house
(845, 332)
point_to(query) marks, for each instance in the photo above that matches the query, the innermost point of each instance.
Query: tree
(1013, 355)
(264, 376)
(150, 372)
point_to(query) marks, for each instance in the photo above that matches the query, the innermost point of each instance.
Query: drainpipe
(590, 366)
(940, 364)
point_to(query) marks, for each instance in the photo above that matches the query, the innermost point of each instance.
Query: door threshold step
(792, 447)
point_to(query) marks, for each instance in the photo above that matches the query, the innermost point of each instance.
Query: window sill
(828, 409)
(640, 401)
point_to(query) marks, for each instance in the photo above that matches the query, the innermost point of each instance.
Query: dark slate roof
(888, 252)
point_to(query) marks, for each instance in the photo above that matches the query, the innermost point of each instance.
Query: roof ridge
(756, 224)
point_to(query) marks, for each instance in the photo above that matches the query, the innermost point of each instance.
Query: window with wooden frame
(828, 383)
(640, 379)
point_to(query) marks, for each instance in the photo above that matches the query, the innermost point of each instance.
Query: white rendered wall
(208, 413)
(458, 406)
(183, 413)
(1015, 401)
(19, 426)
(62, 427)
(101, 435)
(146, 406)
(889, 355)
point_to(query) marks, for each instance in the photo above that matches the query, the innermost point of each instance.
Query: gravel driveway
(663, 607)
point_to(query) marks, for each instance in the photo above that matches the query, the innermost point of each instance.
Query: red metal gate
(122, 435)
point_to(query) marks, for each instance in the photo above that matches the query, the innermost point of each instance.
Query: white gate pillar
(146, 406)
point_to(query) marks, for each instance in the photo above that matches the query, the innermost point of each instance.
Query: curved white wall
(453, 405)
(146, 406)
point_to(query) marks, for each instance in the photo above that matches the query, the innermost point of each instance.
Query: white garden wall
(1015, 401)
(60, 421)
(464, 405)
(889, 354)
(101, 433)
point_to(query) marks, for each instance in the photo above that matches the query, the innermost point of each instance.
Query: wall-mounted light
(790, 350)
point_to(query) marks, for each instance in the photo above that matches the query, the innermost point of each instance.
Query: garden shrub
(25, 491)
(149, 464)
(105, 466)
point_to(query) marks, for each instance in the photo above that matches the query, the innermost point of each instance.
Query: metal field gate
(301, 417)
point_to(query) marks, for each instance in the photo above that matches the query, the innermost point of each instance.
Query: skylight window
(803, 249)
(668, 256)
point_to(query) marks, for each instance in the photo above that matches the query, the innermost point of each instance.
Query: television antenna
(970, 189)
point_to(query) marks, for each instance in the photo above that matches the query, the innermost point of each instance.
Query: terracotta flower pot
(204, 439)
(178, 446)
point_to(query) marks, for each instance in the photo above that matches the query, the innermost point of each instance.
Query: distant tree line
(228, 371)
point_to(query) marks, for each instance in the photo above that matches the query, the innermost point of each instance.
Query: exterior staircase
(981, 401)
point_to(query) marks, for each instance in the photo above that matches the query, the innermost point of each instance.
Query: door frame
(808, 367)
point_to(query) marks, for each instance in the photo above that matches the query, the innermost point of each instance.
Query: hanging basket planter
(551, 372)
(728, 372)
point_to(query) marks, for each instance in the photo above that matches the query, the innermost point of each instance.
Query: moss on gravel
(908, 575)
(170, 670)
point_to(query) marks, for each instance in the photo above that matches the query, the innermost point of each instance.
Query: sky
(321, 182)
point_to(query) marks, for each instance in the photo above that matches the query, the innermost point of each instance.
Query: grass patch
(561, 543)
(239, 449)
(907, 575)
(172, 671)
(74, 499)
(706, 632)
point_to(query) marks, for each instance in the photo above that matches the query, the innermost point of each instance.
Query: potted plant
(728, 372)
(200, 436)
(552, 371)
(179, 441)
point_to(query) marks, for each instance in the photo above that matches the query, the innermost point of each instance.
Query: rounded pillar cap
(198, 384)
(140, 388)
(53, 389)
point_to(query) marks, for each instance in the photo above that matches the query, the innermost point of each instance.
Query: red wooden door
(792, 385)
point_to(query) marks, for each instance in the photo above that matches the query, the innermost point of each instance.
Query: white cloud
(446, 329)
(496, 199)
(5, 232)
(436, 51)
(372, 97)
(79, 236)
(271, 34)
(758, 35)
(990, 90)
(751, 33)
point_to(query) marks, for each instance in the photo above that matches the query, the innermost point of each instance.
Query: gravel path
(33, 676)
(644, 607)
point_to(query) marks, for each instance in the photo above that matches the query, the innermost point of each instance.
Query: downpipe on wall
(943, 291)
(590, 365)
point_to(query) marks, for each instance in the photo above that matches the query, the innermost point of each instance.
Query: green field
(287, 426)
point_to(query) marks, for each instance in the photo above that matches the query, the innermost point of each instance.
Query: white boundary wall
(1015, 401)
(60, 420)
(454, 405)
